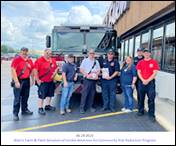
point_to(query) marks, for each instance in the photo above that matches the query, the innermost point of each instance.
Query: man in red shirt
(44, 70)
(147, 70)
(21, 69)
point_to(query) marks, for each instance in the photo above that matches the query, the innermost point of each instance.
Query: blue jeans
(109, 94)
(128, 97)
(66, 95)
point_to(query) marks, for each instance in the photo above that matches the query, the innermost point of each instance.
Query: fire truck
(77, 40)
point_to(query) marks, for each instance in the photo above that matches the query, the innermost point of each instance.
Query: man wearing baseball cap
(21, 68)
(147, 71)
(110, 69)
(138, 58)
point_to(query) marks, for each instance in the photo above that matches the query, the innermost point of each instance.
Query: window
(126, 49)
(157, 44)
(145, 40)
(131, 47)
(122, 50)
(169, 53)
(69, 42)
(137, 44)
(93, 39)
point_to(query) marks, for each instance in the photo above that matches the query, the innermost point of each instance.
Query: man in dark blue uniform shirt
(110, 70)
(138, 58)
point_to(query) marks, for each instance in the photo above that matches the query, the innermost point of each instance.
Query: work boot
(50, 108)
(152, 119)
(15, 117)
(27, 112)
(41, 111)
(140, 114)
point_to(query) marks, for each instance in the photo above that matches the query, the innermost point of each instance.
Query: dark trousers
(21, 96)
(148, 89)
(109, 94)
(88, 93)
(137, 90)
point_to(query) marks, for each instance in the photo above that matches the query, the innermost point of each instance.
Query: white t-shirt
(87, 64)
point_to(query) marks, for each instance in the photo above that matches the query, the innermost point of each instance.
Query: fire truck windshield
(73, 42)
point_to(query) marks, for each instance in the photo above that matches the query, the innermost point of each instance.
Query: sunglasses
(91, 53)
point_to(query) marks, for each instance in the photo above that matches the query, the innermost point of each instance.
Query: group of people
(139, 72)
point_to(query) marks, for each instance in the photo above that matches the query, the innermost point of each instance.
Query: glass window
(93, 39)
(137, 44)
(145, 40)
(126, 48)
(122, 50)
(169, 53)
(131, 47)
(157, 44)
(69, 42)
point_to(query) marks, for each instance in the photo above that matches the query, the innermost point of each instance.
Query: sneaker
(62, 112)
(123, 109)
(15, 117)
(68, 110)
(82, 111)
(50, 108)
(92, 110)
(41, 111)
(140, 114)
(128, 111)
(27, 112)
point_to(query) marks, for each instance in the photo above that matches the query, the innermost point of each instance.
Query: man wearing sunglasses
(110, 70)
(44, 69)
(90, 69)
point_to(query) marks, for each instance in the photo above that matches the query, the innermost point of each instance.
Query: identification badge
(151, 65)
(112, 63)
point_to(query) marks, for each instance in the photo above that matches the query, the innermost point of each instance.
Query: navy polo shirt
(126, 76)
(70, 71)
(111, 65)
(137, 59)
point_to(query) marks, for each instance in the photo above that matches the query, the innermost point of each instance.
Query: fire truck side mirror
(48, 41)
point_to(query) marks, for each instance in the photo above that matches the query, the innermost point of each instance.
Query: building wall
(138, 12)
(165, 85)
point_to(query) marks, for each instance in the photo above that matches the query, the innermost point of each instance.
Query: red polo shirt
(42, 65)
(147, 67)
(19, 63)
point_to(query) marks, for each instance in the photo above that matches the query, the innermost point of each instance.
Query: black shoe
(50, 108)
(152, 119)
(15, 117)
(41, 111)
(92, 110)
(140, 114)
(27, 112)
(82, 111)
(113, 110)
(103, 109)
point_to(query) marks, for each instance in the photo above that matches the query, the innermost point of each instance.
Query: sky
(26, 23)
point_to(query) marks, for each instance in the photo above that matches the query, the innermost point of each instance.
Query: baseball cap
(110, 51)
(24, 49)
(139, 49)
(70, 56)
(146, 50)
